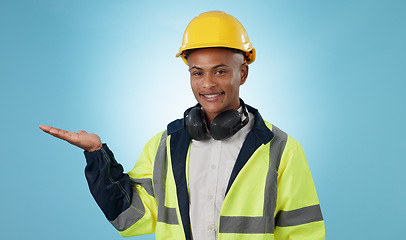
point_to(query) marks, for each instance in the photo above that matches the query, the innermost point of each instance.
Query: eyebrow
(217, 66)
(194, 67)
(220, 65)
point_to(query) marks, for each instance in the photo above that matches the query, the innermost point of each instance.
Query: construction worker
(221, 172)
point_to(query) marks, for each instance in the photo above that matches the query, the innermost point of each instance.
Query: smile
(212, 95)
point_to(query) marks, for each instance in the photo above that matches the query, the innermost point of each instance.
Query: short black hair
(187, 53)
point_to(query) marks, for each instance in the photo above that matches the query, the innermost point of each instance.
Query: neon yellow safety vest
(271, 194)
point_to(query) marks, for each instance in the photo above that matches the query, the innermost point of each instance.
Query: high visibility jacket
(270, 194)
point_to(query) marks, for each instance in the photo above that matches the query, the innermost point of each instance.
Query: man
(221, 172)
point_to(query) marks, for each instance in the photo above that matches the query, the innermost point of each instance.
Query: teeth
(212, 95)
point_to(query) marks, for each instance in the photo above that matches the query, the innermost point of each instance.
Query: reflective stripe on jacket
(270, 194)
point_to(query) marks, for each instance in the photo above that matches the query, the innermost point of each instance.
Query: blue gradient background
(331, 74)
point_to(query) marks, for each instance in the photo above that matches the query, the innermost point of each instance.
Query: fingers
(49, 129)
(44, 128)
(59, 133)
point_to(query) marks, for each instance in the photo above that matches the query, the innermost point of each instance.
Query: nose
(208, 81)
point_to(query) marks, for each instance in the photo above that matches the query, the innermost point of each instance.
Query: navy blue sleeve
(110, 187)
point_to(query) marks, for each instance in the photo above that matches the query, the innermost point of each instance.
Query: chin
(213, 109)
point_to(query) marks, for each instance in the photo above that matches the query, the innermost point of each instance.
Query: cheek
(194, 85)
(232, 83)
(234, 86)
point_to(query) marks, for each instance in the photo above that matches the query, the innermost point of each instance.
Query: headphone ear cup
(223, 125)
(195, 124)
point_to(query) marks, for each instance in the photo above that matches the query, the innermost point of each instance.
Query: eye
(220, 71)
(196, 73)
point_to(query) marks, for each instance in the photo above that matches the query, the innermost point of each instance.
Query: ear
(243, 73)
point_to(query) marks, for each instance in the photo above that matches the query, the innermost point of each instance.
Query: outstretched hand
(87, 141)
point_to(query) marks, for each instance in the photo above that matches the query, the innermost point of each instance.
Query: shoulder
(155, 140)
(175, 126)
(289, 143)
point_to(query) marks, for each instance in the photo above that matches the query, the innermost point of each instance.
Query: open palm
(87, 141)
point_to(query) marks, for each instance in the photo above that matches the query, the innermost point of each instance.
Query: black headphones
(222, 126)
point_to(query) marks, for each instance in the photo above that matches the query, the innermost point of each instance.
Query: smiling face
(215, 76)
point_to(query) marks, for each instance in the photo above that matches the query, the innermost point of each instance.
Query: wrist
(94, 148)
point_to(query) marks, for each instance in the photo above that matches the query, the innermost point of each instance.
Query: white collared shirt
(210, 165)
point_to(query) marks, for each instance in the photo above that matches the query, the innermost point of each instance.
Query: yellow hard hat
(216, 29)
